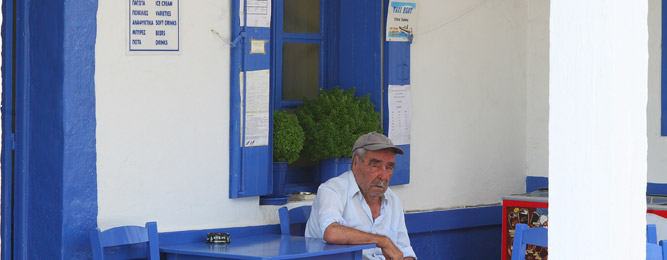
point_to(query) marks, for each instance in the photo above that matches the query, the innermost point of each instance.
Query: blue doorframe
(49, 178)
(7, 153)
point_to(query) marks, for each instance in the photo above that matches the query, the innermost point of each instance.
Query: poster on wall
(259, 13)
(154, 26)
(399, 114)
(257, 108)
(401, 20)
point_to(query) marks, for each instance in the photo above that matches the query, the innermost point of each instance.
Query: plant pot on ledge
(333, 167)
(288, 138)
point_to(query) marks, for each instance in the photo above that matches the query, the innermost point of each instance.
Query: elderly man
(358, 207)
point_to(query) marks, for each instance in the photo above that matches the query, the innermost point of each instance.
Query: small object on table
(218, 238)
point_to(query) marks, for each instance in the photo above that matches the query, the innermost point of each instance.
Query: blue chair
(524, 236)
(654, 251)
(651, 234)
(293, 222)
(143, 242)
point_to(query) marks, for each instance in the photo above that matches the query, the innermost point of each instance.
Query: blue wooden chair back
(143, 242)
(528, 236)
(293, 222)
(654, 251)
(651, 234)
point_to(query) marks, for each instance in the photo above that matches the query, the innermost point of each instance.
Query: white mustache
(380, 184)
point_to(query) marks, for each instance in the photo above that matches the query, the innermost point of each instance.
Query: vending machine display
(532, 209)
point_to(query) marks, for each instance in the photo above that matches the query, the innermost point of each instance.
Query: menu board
(154, 25)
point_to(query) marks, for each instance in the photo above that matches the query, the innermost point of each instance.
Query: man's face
(374, 172)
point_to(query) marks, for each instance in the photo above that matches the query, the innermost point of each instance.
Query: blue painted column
(79, 124)
(55, 177)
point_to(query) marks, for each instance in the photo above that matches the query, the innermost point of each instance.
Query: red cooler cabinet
(532, 209)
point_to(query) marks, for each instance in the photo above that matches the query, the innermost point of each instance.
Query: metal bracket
(237, 39)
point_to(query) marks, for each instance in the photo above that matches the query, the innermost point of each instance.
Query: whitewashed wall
(163, 125)
(162, 120)
(469, 103)
(657, 145)
(538, 94)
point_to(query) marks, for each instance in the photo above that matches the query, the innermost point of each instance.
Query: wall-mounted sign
(401, 20)
(154, 25)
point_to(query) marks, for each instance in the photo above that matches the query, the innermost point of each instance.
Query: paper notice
(399, 114)
(259, 13)
(257, 108)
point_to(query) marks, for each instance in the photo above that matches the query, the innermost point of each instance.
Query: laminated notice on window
(399, 114)
(257, 108)
(259, 13)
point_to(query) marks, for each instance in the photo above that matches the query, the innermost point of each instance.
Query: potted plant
(332, 123)
(288, 139)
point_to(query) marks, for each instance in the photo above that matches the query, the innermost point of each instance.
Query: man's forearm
(338, 234)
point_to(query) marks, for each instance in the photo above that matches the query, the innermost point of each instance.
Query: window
(315, 44)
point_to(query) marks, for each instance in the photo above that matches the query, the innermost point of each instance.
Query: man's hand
(389, 250)
(338, 234)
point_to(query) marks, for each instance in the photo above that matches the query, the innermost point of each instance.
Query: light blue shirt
(340, 200)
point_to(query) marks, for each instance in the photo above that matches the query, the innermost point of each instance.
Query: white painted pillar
(597, 129)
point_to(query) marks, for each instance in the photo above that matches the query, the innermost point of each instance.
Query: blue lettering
(138, 2)
(168, 22)
(161, 42)
(140, 12)
(407, 10)
(138, 32)
(164, 3)
(163, 13)
(160, 33)
(159, 22)
(136, 42)
(397, 9)
(142, 22)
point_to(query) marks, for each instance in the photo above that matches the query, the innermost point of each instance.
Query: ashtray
(217, 238)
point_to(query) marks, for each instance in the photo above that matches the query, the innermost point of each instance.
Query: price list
(154, 25)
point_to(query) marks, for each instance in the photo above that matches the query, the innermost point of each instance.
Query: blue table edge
(173, 249)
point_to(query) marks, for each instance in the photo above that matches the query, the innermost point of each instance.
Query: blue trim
(533, 183)
(7, 131)
(453, 219)
(663, 94)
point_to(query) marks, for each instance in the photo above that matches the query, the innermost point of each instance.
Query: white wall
(537, 95)
(538, 109)
(657, 145)
(163, 120)
(469, 81)
(163, 125)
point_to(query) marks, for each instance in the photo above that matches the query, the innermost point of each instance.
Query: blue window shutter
(362, 35)
(250, 167)
(396, 72)
(663, 95)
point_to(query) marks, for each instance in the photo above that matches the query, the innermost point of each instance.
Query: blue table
(267, 246)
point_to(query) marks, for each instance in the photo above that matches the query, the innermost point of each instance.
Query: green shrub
(288, 137)
(333, 121)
